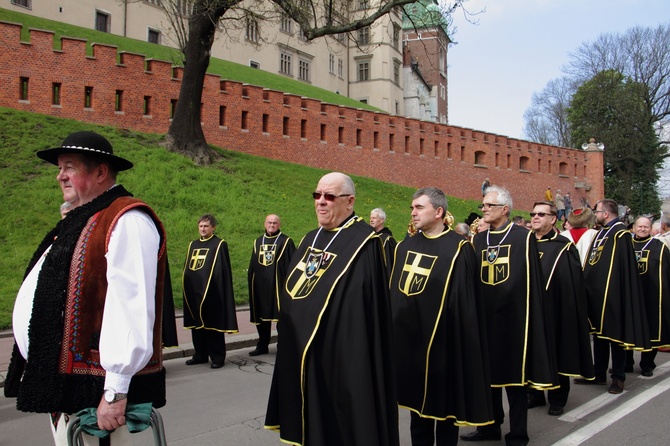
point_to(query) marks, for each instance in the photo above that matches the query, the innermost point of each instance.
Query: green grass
(223, 68)
(239, 189)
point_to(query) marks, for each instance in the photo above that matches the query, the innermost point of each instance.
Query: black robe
(207, 282)
(388, 244)
(268, 268)
(438, 330)
(616, 308)
(333, 382)
(520, 342)
(653, 261)
(566, 293)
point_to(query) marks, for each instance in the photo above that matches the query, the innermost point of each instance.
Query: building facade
(365, 65)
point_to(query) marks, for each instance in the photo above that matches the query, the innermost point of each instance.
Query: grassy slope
(226, 69)
(240, 190)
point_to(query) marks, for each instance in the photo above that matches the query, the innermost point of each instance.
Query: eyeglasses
(328, 197)
(539, 214)
(596, 211)
(489, 205)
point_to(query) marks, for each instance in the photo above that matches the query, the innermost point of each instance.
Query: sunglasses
(328, 197)
(539, 214)
(488, 205)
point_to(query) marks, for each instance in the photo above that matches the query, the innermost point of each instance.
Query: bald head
(272, 224)
(335, 202)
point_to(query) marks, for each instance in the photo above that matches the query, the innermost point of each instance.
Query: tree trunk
(185, 134)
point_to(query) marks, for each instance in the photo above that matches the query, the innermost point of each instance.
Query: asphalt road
(227, 407)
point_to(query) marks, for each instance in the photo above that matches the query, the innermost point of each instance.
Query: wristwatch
(112, 396)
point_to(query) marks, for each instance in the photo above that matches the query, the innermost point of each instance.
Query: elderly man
(333, 382)
(565, 288)
(512, 288)
(97, 277)
(653, 265)
(616, 310)
(267, 273)
(209, 302)
(377, 220)
(438, 334)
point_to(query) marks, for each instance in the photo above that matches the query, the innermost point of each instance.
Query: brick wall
(281, 126)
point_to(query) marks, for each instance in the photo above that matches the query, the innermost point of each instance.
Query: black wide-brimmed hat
(86, 143)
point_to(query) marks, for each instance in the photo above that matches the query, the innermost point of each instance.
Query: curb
(236, 343)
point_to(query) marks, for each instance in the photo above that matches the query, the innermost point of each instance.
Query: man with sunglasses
(438, 322)
(614, 294)
(566, 293)
(334, 381)
(512, 289)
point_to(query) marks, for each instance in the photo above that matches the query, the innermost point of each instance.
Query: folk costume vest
(66, 322)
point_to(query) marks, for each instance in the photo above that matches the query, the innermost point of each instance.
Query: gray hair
(380, 213)
(504, 196)
(665, 219)
(435, 196)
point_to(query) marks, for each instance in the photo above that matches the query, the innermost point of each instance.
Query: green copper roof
(423, 14)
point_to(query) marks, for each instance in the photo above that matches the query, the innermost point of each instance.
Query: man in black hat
(97, 277)
(268, 268)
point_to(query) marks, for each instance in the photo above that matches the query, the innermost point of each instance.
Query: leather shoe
(490, 434)
(616, 387)
(600, 382)
(195, 361)
(258, 352)
(647, 373)
(216, 365)
(555, 411)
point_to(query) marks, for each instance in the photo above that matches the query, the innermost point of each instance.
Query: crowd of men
(438, 323)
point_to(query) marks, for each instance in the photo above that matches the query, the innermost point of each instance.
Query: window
(331, 64)
(23, 89)
(342, 37)
(252, 34)
(396, 71)
(88, 97)
(364, 100)
(395, 38)
(118, 101)
(55, 93)
(340, 68)
(364, 70)
(147, 106)
(303, 70)
(285, 63)
(301, 34)
(23, 3)
(363, 4)
(254, 64)
(364, 36)
(102, 21)
(154, 36)
(285, 23)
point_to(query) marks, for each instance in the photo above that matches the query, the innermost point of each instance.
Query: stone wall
(127, 90)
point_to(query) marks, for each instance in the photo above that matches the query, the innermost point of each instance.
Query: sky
(518, 46)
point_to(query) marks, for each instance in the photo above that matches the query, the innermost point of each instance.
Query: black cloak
(438, 330)
(653, 264)
(268, 268)
(333, 382)
(567, 295)
(520, 342)
(616, 308)
(207, 281)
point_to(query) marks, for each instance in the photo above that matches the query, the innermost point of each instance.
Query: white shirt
(126, 340)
